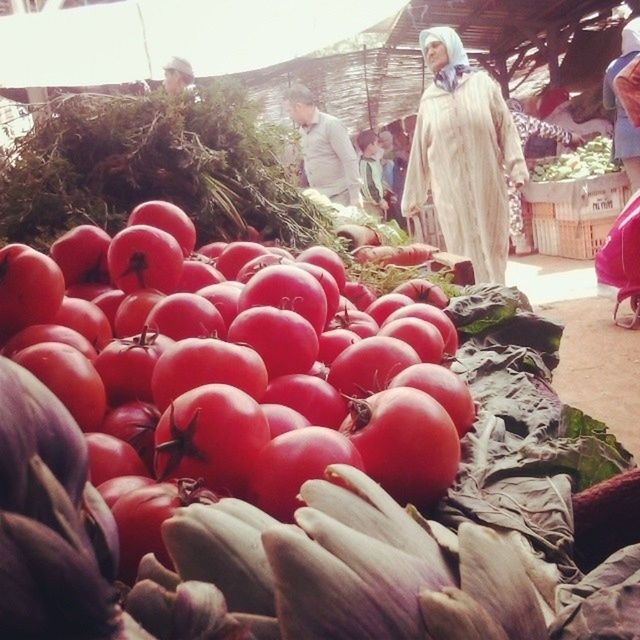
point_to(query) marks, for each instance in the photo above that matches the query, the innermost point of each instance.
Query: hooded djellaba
(464, 142)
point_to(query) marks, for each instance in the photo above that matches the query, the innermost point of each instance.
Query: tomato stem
(193, 491)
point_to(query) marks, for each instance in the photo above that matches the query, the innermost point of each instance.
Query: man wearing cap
(178, 75)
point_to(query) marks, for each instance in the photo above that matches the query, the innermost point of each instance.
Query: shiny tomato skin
(224, 297)
(113, 489)
(145, 257)
(248, 270)
(168, 217)
(333, 342)
(328, 284)
(449, 389)
(131, 315)
(423, 336)
(86, 318)
(36, 333)
(31, 288)
(81, 254)
(214, 432)
(361, 295)
(111, 457)
(291, 459)
(282, 419)
(193, 362)
(422, 290)
(71, 377)
(408, 444)
(328, 260)
(197, 274)
(109, 302)
(212, 250)
(355, 320)
(186, 315)
(381, 308)
(235, 255)
(87, 290)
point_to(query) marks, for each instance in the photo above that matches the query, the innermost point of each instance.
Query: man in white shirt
(330, 161)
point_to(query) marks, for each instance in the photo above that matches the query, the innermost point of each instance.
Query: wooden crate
(583, 239)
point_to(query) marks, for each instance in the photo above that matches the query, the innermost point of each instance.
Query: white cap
(180, 64)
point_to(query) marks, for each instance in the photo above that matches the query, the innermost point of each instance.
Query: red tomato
(31, 288)
(282, 419)
(422, 290)
(282, 285)
(109, 302)
(333, 342)
(360, 322)
(286, 342)
(408, 444)
(328, 260)
(214, 432)
(37, 333)
(319, 370)
(86, 318)
(291, 459)
(235, 255)
(359, 294)
(87, 290)
(110, 457)
(193, 362)
(313, 397)
(280, 251)
(144, 257)
(126, 366)
(368, 366)
(346, 304)
(186, 315)
(434, 315)
(134, 422)
(112, 490)
(385, 305)
(446, 387)
(139, 515)
(71, 377)
(169, 218)
(81, 254)
(249, 269)
(212, 250)
(328, 284)
(224, 297)
(132, 313)
(423, 336)
(197, 274)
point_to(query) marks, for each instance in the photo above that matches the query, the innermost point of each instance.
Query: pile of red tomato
(235, 364)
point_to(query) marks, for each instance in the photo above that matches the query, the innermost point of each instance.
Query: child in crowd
(371, 174)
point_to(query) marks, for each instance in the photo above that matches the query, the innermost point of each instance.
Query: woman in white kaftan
(464, 142)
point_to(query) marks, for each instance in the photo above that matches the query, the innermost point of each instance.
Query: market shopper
(464, 142)
(178, 75)
(371, 174)
(330, 160)
(626, 137)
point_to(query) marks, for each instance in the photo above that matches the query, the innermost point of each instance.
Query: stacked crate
(576, 227)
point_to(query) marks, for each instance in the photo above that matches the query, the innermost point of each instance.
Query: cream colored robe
(463, 145)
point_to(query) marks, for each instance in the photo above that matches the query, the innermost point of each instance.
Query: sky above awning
(131, 40)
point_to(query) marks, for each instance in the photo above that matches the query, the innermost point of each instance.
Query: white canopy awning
(131, 40)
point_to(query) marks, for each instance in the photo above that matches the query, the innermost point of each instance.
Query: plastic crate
(582, 240)
(546, 237)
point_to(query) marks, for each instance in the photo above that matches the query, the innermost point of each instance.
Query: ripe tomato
(422, 290)
(134, 422)
(31, 288)
(110, 457)
(132, 313)
(86, 318)
(212, 250)
(423, 336)
(193, 362)
(197, 274)
(249, 269)
(186, 315)
(71, 377)
(112, 490)
(286, 342)
(286, 285)
(333, 342)
(37, 333)
(328, 284)
(214, 432)
(144, 257)
(346, 304)
(109, 302)
(408, 444)
(385, 305)
(81, 254)
(87, 290)
(282, 419)
(434, 315)
(168, 217)
(450, 390)
(328, 260)
(235, 255)
(224, 297)
(291, 459)
(281, 251)
(368, 366)
(359, 294)
(360, 322)
(126, 366)
(313, 397)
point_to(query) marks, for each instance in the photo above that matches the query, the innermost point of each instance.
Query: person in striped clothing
(371, 174)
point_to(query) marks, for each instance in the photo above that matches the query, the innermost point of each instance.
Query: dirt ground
(599, 370)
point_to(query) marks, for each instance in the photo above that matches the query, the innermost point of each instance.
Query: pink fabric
(550, 99)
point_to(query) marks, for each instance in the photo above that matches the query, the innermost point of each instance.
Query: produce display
(268, 448)
(595, 158)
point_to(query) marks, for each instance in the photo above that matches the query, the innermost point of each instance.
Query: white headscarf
(455, 50)
(631, 36)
